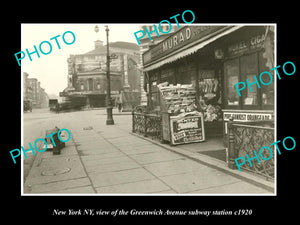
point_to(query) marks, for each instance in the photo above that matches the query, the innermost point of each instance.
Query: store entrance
(209, 95)
(210, 101)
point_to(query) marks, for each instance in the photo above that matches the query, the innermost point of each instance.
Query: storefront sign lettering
(257, 40)
(160, 28)
(245, 45)
(187, 123)
(247, 116)
(181, 38)
(238, 47)
(290, 72)
(263, 153)
(178, 38)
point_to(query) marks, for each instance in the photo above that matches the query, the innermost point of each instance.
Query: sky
(52, 69)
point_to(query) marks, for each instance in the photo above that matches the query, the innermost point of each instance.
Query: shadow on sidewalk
(218, 154)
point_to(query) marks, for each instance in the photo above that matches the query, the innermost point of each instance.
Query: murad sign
(182, 37)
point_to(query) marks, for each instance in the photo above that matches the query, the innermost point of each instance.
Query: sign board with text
(177, 40)
(187, 129)
(246, 116)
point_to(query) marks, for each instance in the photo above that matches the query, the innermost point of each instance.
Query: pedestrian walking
(119, 102)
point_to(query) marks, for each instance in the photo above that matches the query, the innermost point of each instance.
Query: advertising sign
(187, 130)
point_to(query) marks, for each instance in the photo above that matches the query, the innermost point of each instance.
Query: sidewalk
(108, 159)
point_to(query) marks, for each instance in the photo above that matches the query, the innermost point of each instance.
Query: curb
(117, 114)
(216, 164)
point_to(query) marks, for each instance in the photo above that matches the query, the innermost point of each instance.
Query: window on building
(81, 87)
(267, 91)
(240, 69)
(80, 68)
(90, 84)
(249, 68)
(231, 70)
(98, 86)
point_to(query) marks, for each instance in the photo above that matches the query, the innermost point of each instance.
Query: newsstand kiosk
(181, 122)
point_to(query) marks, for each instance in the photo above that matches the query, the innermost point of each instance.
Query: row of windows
(235, 70)
(242, 68)
(90, 86)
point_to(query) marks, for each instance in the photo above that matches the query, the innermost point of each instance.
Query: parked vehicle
(27, 106)
(53, 104)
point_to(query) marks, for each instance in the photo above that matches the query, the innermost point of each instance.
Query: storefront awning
(188, 49)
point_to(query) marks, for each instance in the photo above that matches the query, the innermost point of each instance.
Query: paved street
(109, 159)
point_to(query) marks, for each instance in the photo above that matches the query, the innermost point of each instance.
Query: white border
(132, 194)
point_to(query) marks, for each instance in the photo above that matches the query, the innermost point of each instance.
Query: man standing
(119, 102)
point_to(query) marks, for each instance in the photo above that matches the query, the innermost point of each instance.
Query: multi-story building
(32, 85)
(33, 92)
(87, 83)
(44, 99)
(26, 90)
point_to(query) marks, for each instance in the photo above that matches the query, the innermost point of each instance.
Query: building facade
(33, 92)
(87, 82)
(146, 44)
(213, 59)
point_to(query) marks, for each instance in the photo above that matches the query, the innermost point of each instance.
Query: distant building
(44, 99)
(32, 85)
(26, 90)
(33, 92)
(87, 83)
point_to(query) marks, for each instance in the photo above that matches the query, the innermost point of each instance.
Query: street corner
(171, 93)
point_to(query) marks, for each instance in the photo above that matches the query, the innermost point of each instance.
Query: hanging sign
(180, 38)
(243, 116)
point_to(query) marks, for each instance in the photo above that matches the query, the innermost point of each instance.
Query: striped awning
(187, 50)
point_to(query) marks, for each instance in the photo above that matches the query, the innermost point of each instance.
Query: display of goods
(212, 113)
(178, 98)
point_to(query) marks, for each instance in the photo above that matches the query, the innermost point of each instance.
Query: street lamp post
(109, 107)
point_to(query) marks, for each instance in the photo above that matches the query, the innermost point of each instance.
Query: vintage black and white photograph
(138, 109)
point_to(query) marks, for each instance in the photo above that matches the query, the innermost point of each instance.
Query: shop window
(167, 75)
(209, 88)
(155, 100)
(243, 68)
(154, 96)
(249, 68)
(209, 95)
(185, 72)
(231, 70)
(267, 91)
